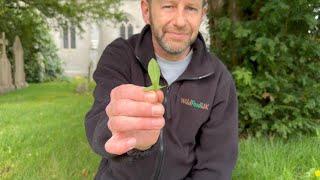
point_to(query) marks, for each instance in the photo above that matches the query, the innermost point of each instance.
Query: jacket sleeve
(217, 149)
(112, 70)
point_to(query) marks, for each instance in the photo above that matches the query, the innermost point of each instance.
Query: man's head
(175, 23)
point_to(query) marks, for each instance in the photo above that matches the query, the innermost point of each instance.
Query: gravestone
(19, 75)
(5, 68)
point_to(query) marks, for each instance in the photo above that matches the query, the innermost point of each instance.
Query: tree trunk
(215, 9)
(233, 14)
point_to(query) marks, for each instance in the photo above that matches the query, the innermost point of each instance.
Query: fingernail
(131, 143)
(150, 96)
(156, 123)
(157, 110)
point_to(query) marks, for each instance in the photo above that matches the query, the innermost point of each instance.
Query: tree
(273, 49)
(30, 19)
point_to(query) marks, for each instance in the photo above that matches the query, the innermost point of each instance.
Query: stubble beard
(168, 46)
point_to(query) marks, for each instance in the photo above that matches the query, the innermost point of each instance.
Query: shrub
(273, 51)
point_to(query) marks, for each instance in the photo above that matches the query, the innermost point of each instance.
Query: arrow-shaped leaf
(154, 75)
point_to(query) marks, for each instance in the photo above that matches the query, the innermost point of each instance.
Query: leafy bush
(30, 21)
(42, 63)
(273, 50)
(40, 52)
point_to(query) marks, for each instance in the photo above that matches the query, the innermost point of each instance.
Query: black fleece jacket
(200, 138)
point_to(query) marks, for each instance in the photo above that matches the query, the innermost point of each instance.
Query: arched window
(123, 31)
(130, 30)
(126, 29)
(69, 37)
(65, 37)
(73, 37)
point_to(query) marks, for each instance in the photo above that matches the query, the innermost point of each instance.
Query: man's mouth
(178, 36)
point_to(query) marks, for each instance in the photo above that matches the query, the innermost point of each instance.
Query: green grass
(42, 136)
(267, 159)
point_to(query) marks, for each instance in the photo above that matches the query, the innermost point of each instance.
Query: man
(189, 131)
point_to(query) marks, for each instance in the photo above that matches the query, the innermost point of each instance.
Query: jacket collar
(201, 64)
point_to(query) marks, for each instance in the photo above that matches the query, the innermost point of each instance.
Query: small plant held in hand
(154, 74)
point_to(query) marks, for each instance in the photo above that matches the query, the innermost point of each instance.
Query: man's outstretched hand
(135, 118)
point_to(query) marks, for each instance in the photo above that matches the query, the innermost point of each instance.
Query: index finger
(134, 92)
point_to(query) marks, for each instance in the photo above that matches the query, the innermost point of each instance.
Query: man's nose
(180, 19)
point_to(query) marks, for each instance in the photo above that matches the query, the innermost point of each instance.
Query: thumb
(117, 145)
(160, 96)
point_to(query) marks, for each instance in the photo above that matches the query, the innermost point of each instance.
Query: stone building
(78, 50)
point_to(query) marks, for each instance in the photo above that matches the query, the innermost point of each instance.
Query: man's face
(175, 23)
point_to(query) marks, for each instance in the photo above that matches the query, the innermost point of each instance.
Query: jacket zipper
(168, 116)
(159, 164)
(161, 136)
(162, 141)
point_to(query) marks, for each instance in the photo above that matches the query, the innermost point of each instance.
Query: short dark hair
(204, 2)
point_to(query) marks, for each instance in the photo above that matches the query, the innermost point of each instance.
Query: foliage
(83, 85)
(30, 20)
(273, 50)
(154, 75)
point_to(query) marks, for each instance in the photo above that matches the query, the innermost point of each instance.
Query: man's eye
(192, 9)
(168, 6)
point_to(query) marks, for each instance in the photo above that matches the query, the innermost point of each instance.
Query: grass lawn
(42, 136)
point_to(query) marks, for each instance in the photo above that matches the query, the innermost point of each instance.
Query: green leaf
(154, 72)
(154, 75)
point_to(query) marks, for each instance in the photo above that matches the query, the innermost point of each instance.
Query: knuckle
(161, 111)
(145, 108)
(123, 86)
(118, 91)
(109, 124)
(108, 110)
(163, 122)
(117, 107)
(142, 124)
(116, 123)
(122, 89)
(113, 93)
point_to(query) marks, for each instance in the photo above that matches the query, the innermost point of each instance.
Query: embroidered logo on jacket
(193, 103)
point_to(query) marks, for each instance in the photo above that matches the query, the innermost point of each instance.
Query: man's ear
(204, 13)
(145, 11)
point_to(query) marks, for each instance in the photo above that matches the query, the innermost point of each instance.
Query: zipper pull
(167, 103)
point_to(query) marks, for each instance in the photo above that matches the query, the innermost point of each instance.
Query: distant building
(77, 51)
